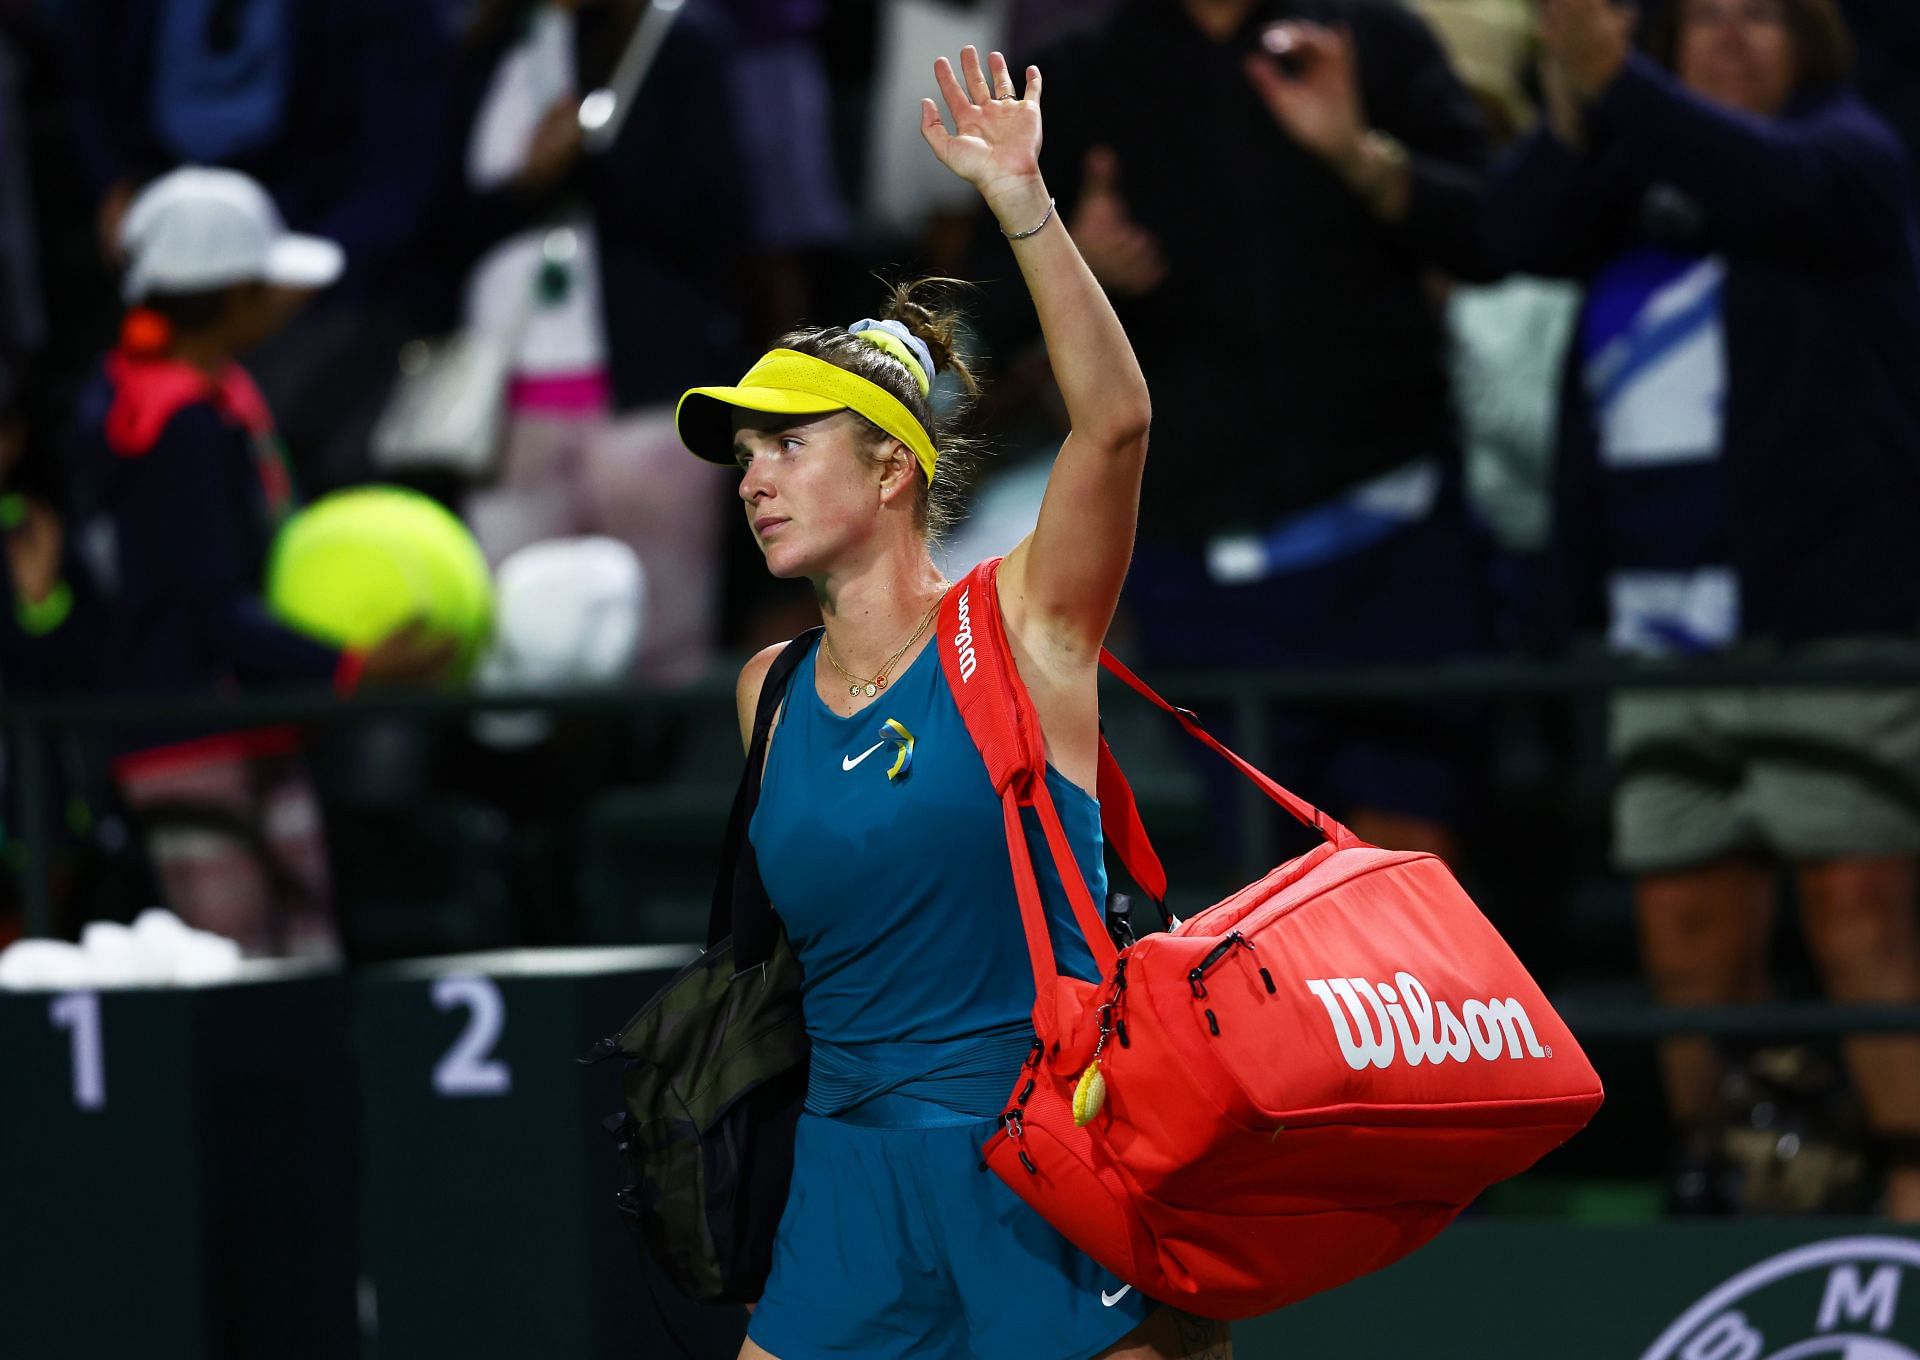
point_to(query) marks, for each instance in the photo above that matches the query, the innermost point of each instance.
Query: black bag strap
(740, 906)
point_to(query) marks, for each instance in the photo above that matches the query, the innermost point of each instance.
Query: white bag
(444, 414)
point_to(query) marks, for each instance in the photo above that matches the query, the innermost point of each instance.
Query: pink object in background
(561, 394)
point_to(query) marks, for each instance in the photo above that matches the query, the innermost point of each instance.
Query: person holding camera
(1739, 461)
(1271, 248)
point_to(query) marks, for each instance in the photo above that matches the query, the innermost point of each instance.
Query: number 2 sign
(469, 1069)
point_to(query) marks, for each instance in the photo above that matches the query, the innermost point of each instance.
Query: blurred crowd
(1472, 326)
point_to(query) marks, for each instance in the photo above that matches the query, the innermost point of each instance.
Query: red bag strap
(1125, 832)
(1302, 811)
(1000, 717)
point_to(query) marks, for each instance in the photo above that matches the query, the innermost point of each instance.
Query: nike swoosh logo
(848, 762)
(1110, 1299)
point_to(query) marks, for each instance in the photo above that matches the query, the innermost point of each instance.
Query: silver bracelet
(1023, 235)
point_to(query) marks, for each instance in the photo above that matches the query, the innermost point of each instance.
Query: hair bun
(922, 307)
(902, 344)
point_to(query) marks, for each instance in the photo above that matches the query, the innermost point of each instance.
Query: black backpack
(716, 1072)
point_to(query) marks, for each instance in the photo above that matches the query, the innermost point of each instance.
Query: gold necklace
(879, 682)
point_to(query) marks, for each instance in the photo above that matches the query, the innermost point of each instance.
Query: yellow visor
(789, 383)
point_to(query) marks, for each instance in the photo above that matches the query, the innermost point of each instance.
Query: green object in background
(1578, 1201)
(357, 564)
(553, 283)
(1690, 1289)
(37, 620)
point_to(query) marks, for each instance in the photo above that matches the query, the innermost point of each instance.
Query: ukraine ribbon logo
(903, 742)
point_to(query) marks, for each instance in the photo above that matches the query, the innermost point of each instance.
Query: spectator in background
(180, 482)
(334, 106)
(1509, 339)
(1886, 37)
(1268, 251)
(783, 112)
(46, 641)
(1739, 467)
(1035, 23)
(611, 279)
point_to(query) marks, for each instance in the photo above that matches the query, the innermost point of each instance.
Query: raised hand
(1310, 82)
(1123, 255)
(995, 142)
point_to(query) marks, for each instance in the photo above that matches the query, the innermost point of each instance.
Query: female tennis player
(878, 835)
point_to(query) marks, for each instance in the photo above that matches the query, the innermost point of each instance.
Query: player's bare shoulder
(746, 694)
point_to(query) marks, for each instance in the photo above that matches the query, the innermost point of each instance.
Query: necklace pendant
(872, 689)
(880, 682)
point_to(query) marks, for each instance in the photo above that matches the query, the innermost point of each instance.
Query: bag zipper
(1197, 979)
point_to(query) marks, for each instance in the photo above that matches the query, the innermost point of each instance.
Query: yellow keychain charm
(1089, 1095)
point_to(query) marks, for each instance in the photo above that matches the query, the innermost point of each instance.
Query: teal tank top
(882, 847)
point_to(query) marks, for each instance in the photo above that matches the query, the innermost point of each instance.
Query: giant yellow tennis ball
(355, 565)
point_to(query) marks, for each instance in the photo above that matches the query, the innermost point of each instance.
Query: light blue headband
(911, 344)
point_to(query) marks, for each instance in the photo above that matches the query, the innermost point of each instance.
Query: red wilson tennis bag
(1302, 1083)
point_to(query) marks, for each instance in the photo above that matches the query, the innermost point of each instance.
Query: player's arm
(1059, 587)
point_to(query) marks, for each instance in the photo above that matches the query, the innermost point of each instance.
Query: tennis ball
(459, 583)
(357, 564)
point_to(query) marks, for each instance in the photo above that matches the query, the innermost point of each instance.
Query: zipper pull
(1265, 976)
(601, 1051)
(1011, 1119)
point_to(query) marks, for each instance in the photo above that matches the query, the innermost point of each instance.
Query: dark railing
(1237, 699)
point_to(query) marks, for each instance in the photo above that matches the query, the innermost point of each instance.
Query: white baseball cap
(197, 229)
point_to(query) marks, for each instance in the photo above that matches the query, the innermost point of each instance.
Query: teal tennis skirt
(895, 1243)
